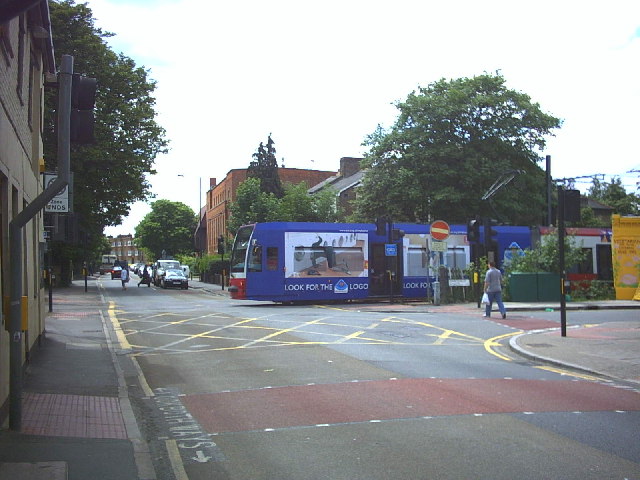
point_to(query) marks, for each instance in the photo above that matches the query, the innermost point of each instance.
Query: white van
(186, 270)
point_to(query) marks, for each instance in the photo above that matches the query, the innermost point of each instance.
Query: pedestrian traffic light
(473, 230)
(83, 97)
(221, 245)
(490, 240)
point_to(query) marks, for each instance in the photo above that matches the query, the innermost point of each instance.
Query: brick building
(345, 184)
(124, 247)
(26, 60)
(221, 194)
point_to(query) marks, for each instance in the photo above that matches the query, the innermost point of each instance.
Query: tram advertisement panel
(326, 262)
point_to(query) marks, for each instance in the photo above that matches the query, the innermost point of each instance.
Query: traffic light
(572, 205)
(381, 226)
(83, 98)
(473, 230)
(221, 245)
(490, 240)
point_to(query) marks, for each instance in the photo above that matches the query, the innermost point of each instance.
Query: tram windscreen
(240, 246)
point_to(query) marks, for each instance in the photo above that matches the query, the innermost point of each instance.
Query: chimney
(349, 166)
(212, 182)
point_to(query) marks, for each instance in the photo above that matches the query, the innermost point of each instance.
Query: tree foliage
(168, 227)
(614, 195)
(264, 167)
(111, 174)
(546, 256)
(252, 205)
(450, 143)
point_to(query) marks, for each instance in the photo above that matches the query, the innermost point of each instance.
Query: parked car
(174, 277)
(116, 272)
(160, 267)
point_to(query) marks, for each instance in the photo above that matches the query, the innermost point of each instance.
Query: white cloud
(321, 76)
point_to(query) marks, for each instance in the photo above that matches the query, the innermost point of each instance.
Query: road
(244, 390)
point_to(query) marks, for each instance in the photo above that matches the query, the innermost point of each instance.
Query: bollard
(436, 293)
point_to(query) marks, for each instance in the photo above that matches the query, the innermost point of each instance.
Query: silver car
(174, 277)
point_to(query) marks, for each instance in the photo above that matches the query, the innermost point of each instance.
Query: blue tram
(291, 261)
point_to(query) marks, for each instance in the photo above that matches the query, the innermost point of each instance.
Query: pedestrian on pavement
(493, 288)
(124, 276)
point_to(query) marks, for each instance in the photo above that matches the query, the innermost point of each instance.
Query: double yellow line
(125, 345)
(495, 342)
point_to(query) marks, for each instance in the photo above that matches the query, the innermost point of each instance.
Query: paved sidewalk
(77, 422)
(609, 349)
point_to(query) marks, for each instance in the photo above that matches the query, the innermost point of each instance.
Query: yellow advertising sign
(626, 255)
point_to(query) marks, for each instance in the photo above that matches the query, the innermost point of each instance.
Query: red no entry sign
(440, 230)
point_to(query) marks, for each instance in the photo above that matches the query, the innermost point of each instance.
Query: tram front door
(385, 272)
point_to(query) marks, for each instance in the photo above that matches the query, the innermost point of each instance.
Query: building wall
(346, 200)
(23, 64)
(124, 247)
(222, 194)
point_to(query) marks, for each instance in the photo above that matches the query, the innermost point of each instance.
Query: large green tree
(167, 228)
(614, 195)
(111, 174)
(452, 140)
(253, 205)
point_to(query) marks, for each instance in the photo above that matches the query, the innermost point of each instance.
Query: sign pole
(439, 231)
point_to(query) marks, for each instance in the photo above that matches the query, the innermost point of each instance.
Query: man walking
(493, 288)
(124, 276)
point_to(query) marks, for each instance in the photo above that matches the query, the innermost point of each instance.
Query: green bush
(592, 290)
(208, 266)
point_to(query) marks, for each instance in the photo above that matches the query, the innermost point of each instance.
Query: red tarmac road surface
(292, 406)
(524, 323)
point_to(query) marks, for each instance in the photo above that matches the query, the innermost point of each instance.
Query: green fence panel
(523, 287)
(548, 287)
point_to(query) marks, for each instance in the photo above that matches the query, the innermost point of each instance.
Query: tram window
(328, 261)
(456, 258)
(255, 259)
(417, 262)
(586, 266)
(272, 258)
(239, 253)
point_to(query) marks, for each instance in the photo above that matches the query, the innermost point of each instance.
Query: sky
(321, 76)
